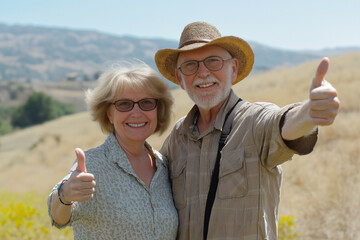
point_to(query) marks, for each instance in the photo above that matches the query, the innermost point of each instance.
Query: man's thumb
(81, 160)
(320, 73)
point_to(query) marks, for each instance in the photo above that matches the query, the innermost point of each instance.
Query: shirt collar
(117, 155)
(189, 124)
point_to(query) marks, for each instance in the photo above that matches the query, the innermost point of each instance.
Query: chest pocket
(232, 177)
(177, 175)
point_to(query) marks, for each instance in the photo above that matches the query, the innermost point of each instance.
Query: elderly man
(244, 184)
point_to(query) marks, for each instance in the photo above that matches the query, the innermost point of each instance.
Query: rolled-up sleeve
(267, 131)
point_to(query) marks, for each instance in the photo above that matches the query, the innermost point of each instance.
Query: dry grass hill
(321, 190)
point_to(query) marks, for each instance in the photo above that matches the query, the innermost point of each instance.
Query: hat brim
(166, 59)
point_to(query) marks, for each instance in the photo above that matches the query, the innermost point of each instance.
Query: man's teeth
(206, 85)
(136, 124)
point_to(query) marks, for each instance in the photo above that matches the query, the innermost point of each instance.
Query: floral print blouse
(123, 207)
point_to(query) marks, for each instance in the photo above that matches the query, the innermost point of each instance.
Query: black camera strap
(215, 175)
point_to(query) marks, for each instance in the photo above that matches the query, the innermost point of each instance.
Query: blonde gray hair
(129, 76)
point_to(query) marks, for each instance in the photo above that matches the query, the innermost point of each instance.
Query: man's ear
(178, 78)
(235, 68)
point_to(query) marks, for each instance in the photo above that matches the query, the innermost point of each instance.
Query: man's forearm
(297, 123)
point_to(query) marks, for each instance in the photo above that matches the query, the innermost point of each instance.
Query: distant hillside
(30, 54)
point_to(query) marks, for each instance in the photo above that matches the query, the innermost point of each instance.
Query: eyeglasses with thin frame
(145, 104)
(213, 63)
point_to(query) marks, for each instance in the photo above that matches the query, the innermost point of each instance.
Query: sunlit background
(52, 51)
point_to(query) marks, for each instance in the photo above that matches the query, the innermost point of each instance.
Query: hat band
(193, 41)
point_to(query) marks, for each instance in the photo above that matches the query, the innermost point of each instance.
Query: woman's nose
(136, 109)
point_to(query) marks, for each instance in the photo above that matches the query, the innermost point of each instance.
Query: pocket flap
(231, 161)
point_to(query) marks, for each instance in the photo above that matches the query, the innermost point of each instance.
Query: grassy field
(320, 195)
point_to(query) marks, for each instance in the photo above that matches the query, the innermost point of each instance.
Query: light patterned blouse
(123, 206)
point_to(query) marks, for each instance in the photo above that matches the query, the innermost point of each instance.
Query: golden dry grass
(321, 190)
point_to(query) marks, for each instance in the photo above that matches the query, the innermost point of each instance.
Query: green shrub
(5, 112)
(5, 127)
(39, 108)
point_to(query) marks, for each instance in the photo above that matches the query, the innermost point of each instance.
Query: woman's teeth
(136, 124)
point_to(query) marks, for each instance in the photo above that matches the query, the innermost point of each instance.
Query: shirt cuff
(303, 145)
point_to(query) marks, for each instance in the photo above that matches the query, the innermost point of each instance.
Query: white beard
(208, 100)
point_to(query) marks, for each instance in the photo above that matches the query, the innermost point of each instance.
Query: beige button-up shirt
(247, 198)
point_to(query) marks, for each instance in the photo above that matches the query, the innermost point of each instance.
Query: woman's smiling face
(135, 125)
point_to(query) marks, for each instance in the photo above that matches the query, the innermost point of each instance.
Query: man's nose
(203, 71)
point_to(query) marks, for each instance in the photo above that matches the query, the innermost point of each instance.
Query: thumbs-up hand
(81, 167)
(323, 101)
(81, 185)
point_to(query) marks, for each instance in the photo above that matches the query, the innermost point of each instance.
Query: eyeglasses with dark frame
(213, 63)
(145, 104)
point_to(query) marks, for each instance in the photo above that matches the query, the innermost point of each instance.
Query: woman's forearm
(60, 213)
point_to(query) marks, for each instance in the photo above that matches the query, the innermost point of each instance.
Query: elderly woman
(121, 189)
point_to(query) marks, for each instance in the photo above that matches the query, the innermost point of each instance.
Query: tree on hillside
(5, 127)
(39, 108)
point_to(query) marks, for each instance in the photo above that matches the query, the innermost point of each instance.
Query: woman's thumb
(81, 160)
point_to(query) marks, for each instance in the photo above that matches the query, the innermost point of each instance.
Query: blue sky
(286, 24)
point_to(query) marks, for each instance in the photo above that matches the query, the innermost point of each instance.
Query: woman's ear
(109, 114)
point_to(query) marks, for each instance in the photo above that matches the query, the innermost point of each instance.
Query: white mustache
(202, 81)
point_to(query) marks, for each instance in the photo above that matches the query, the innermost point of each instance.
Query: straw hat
(201, 34)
